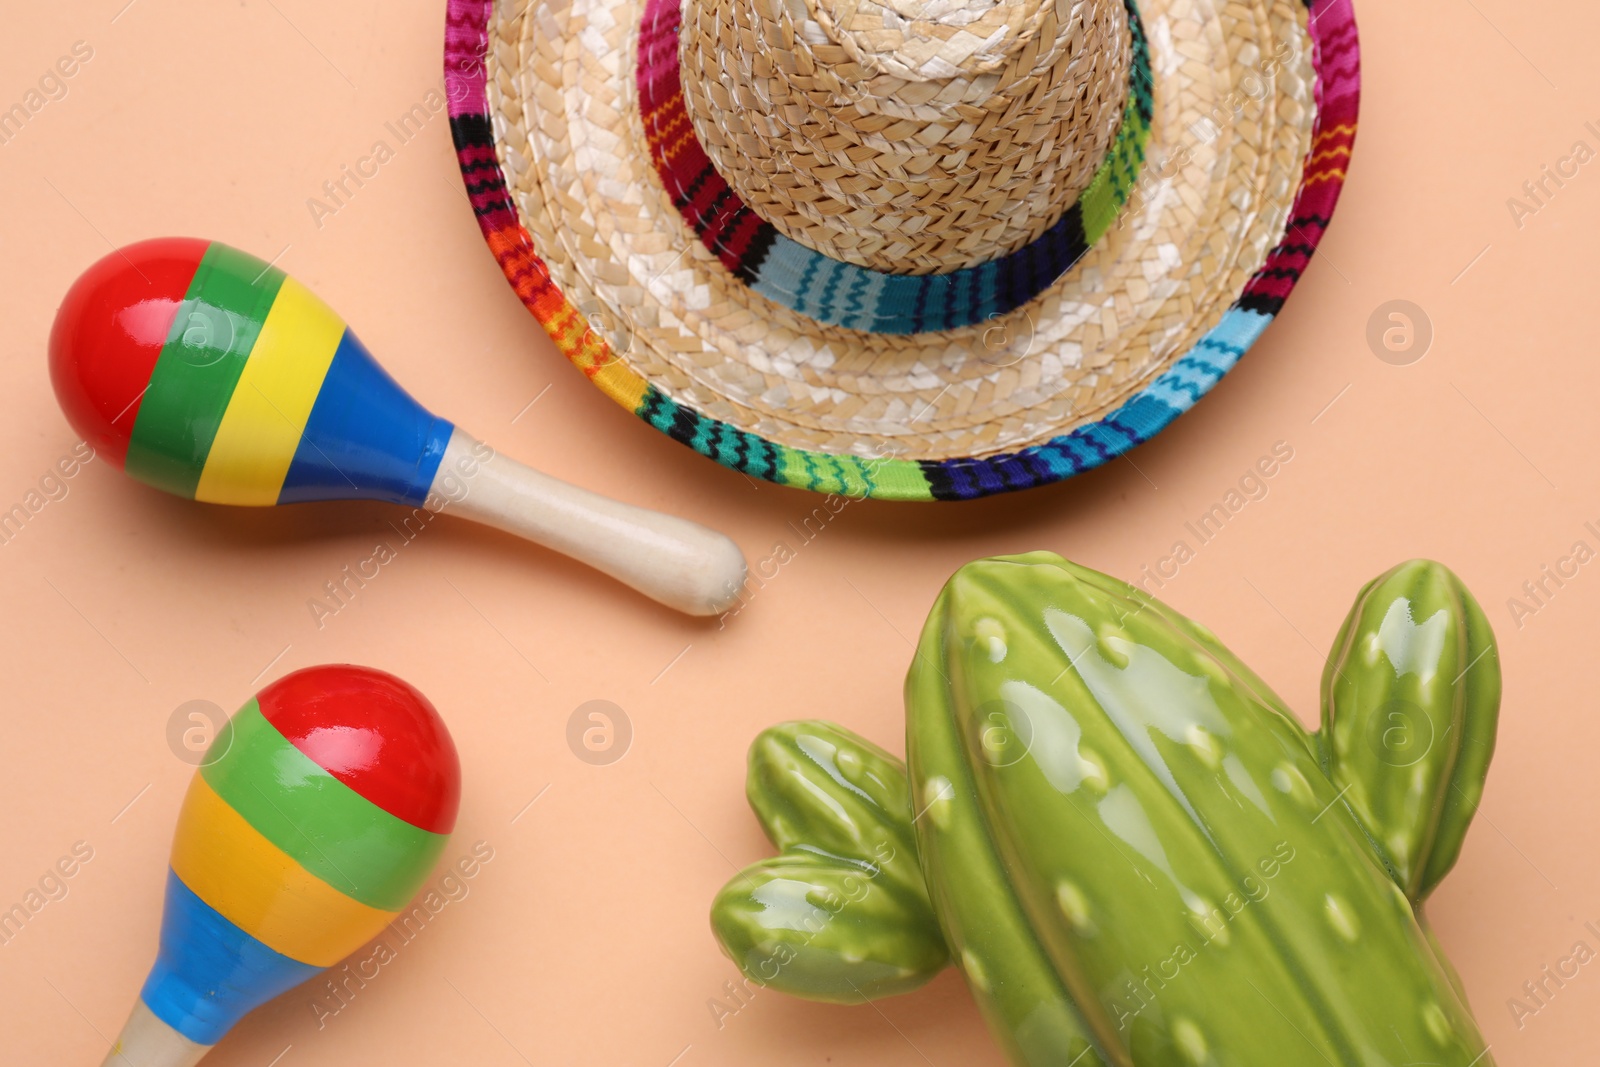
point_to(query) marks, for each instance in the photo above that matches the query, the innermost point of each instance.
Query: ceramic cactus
(1130, 846)
(846, 880)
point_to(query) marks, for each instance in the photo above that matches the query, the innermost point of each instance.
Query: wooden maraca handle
(146, 1041)
(680, 563)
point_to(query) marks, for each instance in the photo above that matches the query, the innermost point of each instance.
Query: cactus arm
(1411, 694)
(815, 786)
(1479, 721)
(820, 929)
(842, 913)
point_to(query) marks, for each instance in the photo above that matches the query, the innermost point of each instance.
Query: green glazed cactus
(1129, 845)
(852, 908)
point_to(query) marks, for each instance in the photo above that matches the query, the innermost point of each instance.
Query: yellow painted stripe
(261, 429)
(261, 889)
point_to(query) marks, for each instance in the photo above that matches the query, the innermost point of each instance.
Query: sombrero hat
(911, 249)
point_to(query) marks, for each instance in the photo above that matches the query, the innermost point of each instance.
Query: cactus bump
(1127, 843)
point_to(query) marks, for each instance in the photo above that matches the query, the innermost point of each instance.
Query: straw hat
(912, 249)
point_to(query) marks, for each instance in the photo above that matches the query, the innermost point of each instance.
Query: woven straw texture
(906, 144)
(837, 293)
(1246, 165)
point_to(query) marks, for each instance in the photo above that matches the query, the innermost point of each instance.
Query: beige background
(585, 939)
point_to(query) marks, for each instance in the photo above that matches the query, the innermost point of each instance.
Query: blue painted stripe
(366, 437)
(209, 973)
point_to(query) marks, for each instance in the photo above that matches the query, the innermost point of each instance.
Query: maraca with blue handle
(314, 818)
(206, 372)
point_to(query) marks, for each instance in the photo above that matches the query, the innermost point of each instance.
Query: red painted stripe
(109, 331)
(374, 733)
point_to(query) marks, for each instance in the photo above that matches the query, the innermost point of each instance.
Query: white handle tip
(147, 1041)
(713, 585)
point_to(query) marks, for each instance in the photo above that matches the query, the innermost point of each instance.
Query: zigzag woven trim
(836, 293)
(1337, 59)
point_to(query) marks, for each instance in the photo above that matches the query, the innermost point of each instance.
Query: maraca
(208, 373)
(315, 816)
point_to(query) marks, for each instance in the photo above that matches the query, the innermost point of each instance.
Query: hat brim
(1255, 115)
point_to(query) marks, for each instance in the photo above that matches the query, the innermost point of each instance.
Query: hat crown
(904, 136)
(918, 41)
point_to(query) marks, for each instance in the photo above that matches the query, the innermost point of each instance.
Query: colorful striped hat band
(899, 250)
(841, 293)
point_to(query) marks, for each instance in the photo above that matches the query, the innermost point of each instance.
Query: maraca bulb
(313, 820)
(207, 372)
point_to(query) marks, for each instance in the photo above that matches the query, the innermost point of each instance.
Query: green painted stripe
(199, 366)
(330, 829)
